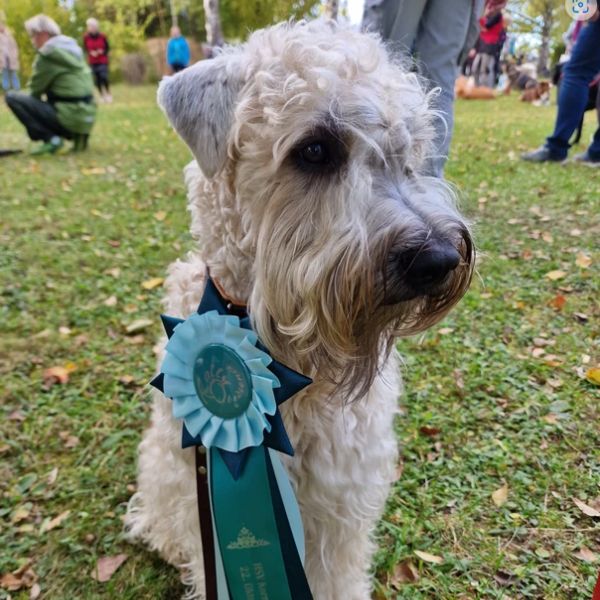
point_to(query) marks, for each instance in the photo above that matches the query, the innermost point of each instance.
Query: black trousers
(38, 117)
(101, 76)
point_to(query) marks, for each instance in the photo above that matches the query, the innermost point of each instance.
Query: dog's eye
(315, 153)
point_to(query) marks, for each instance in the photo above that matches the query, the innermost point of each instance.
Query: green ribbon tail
(247, 533)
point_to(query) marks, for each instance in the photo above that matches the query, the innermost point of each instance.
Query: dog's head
(312, 142)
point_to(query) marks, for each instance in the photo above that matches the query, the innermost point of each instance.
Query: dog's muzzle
(426, 269)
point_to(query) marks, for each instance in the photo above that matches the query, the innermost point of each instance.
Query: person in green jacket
(60, 73)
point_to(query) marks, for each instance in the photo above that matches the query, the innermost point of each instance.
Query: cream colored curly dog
(307, 203)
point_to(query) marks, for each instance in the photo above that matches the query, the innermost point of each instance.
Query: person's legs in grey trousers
(436, 30)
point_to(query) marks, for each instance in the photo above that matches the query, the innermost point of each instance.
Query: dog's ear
(199, 102)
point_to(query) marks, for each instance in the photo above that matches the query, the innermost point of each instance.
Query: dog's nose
(430, 264)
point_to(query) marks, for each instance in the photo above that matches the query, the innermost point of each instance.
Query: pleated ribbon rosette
(227, 389)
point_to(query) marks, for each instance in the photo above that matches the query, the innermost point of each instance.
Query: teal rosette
(219, 381)
(227, 391)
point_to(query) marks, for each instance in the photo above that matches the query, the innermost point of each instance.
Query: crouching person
(61, 75)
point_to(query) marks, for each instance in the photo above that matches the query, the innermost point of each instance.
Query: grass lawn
(501, 430)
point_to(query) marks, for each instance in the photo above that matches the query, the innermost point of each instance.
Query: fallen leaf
(16, 415)
(581, 317)
(35, 591)
(70, 440)
(583, 260)
(54, 523)
(404, 572)
(21, 513)
(52, 476)
(64, 330)
(10, 582)
(537, 352)
(500, 495)
(575, 232)
(586, 509)
(94, 171)
(114, 272)
(586, 555)
(138, 325)
(558, 302)
(504, 578)
(445, 330)
(150, 284)
(550, 418)
(110, 301)
(160, 215)
(55, 375)
(106, 566)
(593, 375)
(554, 275)
(430, 558)
(429, 431)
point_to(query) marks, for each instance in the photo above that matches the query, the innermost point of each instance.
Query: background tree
(331, 9)
(545, 19)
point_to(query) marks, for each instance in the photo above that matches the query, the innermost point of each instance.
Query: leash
(596, 595)
(226, 389)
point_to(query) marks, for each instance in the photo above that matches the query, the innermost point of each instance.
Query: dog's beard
(320, 304)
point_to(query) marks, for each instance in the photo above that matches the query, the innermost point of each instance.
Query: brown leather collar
(233, 301)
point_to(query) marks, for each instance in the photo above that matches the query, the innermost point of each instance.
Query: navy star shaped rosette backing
(291, 383)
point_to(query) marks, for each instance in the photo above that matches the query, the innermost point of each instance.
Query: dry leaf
(586, 555)
(22, 577)
(583, 260)
(586, 509)
(52, 476)
(70, 440)
(10, 582)
(404, 572)
(21, 513)
(55, 375)
(445, 330)
(593, 375)
(150, 284)
(106, 566)
(558, 302)
(554, 275)
(138, 325)
(430, 558)
(54, 523)
(110, 301)
(35, 591)
(500, 495)
(429, 431)
(161, 215)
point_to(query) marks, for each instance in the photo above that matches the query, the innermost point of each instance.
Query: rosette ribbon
(227, 390)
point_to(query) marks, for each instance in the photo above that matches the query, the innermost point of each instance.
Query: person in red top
(491, 36)
(96, 47)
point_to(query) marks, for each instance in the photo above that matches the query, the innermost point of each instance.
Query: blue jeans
(10, 79)
(573, 96)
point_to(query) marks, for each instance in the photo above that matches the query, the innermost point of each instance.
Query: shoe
(585, 159)
(50, 147)
(542, 154)
(80, 142)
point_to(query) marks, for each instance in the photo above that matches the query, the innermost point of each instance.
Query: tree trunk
(173, 10)
(214, 33)
(331, 9)
(544, 55)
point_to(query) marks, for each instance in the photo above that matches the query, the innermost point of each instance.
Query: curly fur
(315, 255)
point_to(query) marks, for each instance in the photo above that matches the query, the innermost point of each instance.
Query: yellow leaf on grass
(586, 509)
(54, 523)
(583, 260)
(161, 215)
(554, 275)
(430, 558)
(593, 375)
(150, 284)
(500, 495)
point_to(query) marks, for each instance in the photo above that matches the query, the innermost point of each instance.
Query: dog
(518, 79)
(539, 94)
(308, 205)
(465, 87)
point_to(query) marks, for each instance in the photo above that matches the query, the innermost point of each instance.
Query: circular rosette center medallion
(222, 381)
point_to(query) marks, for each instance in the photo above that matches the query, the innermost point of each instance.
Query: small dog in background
(308, 203)
(539, 95)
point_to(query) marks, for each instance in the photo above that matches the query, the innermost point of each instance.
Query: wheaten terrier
(308, 204)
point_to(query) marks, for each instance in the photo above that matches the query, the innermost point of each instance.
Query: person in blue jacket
(178, 51)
